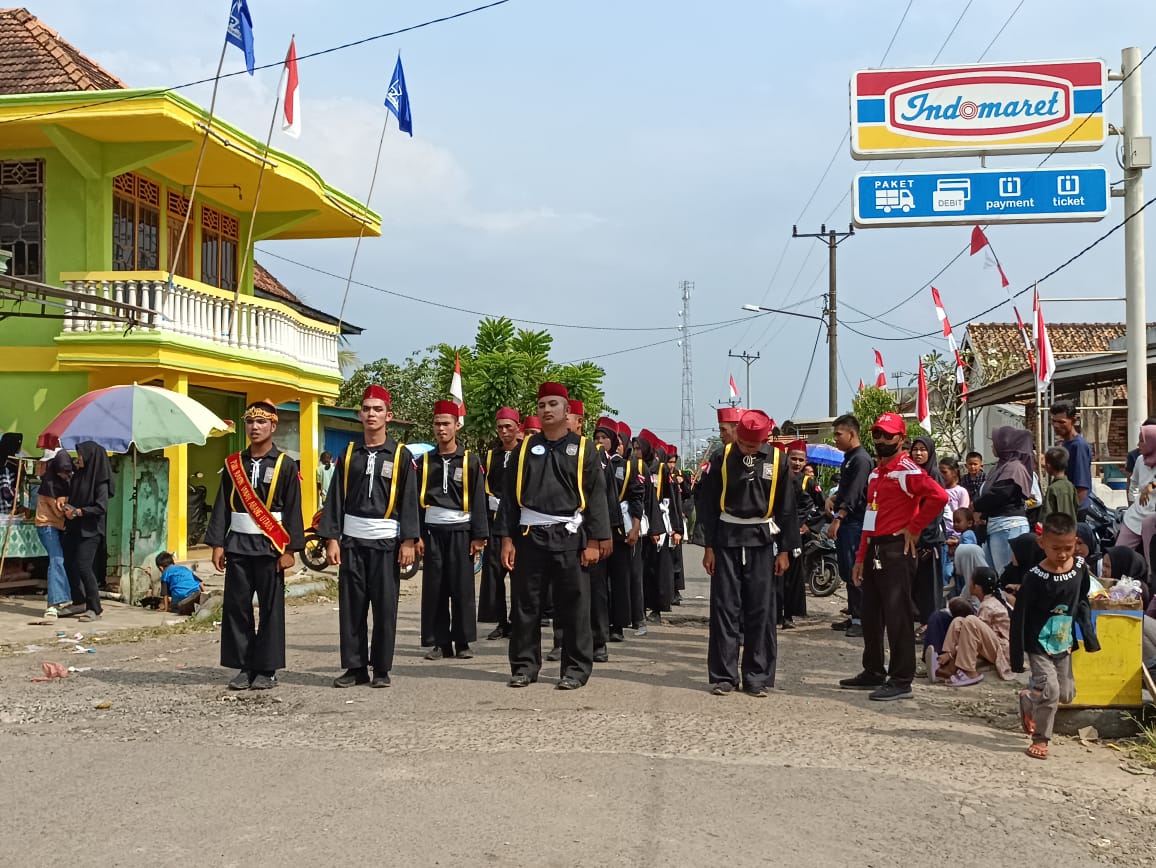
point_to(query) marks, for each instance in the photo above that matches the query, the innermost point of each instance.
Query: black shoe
(890, 692)
(863, 681)
(71, 611)
(497, 633)
(677, 601)
(352, 677)
(788, 624)
(380, 679)
(841, 625)
(757, 692)
(439, 653)
(568, 682)
(242, 681)
(601, 656)
(263, 682)
(464, 653)
(520, 681)
(555, 654)
(722, 688)
(616, 636)
(654, 617)
(855, 631)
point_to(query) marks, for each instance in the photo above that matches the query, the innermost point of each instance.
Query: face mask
(885, 450)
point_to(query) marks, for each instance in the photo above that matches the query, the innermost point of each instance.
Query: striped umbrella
(123, 416)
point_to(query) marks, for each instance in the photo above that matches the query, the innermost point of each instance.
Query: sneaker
(352, 678)
(841, 625)
(601, 656)
(555, 654)
(854, 631)
(241, 681)
(863, 681)
(51, 614)
(439, 653)
(464, 653)
(616, 636)
(757, 692)
(931, 661)
(891, 691)
(722, 688)
(263, 682)
(497, 633)
(380, 679)
(640, 630)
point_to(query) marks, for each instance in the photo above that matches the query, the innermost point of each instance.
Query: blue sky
(573, 161)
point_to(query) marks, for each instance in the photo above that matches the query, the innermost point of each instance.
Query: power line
(951, 32)
(807, 376)
(276, 65)
(999, 32)
(704, 331)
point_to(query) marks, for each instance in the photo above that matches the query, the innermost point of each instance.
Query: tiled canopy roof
(267, 283)
(34, 59)
(1069, 339)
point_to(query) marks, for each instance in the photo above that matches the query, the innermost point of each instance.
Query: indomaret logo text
(977, 106)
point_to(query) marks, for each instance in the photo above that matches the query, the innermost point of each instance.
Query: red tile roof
(270, 285)
(34, 59)
(993, 342)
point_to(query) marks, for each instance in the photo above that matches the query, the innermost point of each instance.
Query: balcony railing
(189, 309)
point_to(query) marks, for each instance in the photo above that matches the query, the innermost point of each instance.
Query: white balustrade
(181, 310)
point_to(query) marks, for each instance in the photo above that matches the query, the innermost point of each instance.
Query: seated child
(963, 521)
(972, 636)
(180, 589)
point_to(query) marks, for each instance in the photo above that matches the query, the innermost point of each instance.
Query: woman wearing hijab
(1139, 523)
(55, 482)
(969, 559)
(10, 445)
(1003, 498)
(927, 589)
(1025, 554)
(88, 496)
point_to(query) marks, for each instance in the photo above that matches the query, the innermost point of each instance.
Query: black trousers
(927, 589)
(368, 587)
(599, 605)
(244, 645)
(492, 595)
(536, 569)
(846, 548)
(887, 578)
(676, 568)
(794, 598)
(619, 569)
(637, 580)
(448, 610)
(80, 564)
(658, 576)
(742, 590)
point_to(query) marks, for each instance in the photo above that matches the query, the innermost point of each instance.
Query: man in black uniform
(452, 497)
(255, 531)
(626, 493)
(849, 506)
(679, 493)
(551, 519)
(370, 524)
(665, 531)
(747, 506)
(492, 596)
(809, 508)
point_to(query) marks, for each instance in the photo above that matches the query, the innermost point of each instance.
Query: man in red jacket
(901, 501)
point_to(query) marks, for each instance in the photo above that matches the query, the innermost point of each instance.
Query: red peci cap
(577, 408)
(729, 414)
(508, 413)
(532, 422)
(376, 393)
(553, 390)
(648, 435)
(890, 424)
(624, 430)
(608, 425)
(446, 408)
(754, 426)
(797, 446)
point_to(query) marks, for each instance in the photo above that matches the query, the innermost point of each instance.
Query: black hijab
(87, 480)
(10, 444)
(932, 463)
(1128, 564)
(1085, 532)
(1027, 551)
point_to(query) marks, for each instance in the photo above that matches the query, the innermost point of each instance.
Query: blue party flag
(397, 99)
(240, 31)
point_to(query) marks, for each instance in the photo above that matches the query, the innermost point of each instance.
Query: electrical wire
(807, 376)
(276, 65)
(951, 32)
(703, 331)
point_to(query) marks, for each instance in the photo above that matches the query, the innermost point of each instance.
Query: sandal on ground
(1038, 750)
(1026, 721)
(961, 679)
(89, 616)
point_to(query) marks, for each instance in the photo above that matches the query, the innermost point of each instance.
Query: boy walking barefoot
(1052, 599)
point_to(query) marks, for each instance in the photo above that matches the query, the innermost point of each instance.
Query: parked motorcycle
(315, 558)
(820, 563)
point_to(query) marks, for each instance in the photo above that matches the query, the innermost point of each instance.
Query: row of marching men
(588, 531)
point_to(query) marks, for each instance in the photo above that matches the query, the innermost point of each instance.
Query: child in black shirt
(1052, 599)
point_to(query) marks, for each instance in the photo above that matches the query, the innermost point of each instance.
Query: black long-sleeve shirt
(1043, 594)
(852, 493)
(747, 492)
(286, 500)
(498, 463)
(665, 488)
(442, 480)
(1000, 499)
(628, 484)
(369, 494)
(548, 472)
(811, 502)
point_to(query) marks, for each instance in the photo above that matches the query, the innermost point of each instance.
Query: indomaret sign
(1016, 108)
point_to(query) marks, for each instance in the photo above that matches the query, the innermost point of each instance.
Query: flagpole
(1039, 397)
(175, 256)
(361, 231)
(253, 212)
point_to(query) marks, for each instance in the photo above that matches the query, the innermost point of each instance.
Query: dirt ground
(145, 759)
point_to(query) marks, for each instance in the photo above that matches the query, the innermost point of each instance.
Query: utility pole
(1137, 158)
(687, 446)
(749, 360)
(832, 239)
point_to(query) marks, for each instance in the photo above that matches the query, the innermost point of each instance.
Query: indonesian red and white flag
(734, 388)
(922, 405)
(861, 386)
(290, 94)
(940, 312)
(880, 372)
(1046, 363)
(456, 386)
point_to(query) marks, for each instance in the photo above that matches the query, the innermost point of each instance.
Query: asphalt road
(450, 767)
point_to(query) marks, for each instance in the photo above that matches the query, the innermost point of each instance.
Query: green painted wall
(30, 401)
(210, 458)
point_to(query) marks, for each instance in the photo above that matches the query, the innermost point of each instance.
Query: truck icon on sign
(889, 198)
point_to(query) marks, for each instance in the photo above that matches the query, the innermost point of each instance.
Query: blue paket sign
(980, 196)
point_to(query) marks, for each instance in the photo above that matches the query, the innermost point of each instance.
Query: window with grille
(220, 234)
(22, 217)
(136, 223)
(177, 206)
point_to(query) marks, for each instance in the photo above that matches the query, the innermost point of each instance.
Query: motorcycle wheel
(824, 578)
(313, 555)
(410, 571)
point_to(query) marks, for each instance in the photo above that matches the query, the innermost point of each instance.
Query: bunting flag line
(960, 368)
(980, 241)
(290, 95)
(922, 405)
(880, 372)
(456, 386)
(734, 389)
(240, 32)
(1046, 366)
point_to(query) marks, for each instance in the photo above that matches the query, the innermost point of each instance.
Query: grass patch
(1143, 747)
(162, 631)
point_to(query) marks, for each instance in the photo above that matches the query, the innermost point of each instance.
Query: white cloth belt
(643, 523)
(361, 527)
(533, 518)
(734, 519)
(442, 515)
(664, 508)
(495, 502)
(242, 522)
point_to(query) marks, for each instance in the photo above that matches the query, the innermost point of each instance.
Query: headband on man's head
(261, 410)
